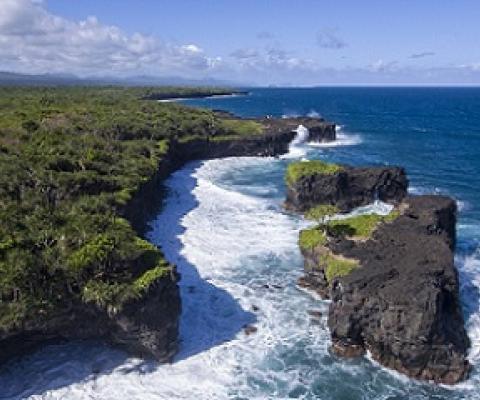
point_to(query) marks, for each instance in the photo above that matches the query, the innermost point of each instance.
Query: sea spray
(342, 139)
(297, 146)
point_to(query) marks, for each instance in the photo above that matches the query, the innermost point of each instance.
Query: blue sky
(302, 42)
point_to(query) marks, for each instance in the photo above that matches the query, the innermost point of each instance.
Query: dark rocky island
(345, 187)
(81, 174)
(391, 279)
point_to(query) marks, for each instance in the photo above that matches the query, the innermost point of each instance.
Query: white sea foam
(313, 114)
(469, 267)
(297, 147)
(377, 207)
(236, 253)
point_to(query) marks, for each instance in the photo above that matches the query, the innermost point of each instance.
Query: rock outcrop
(403, 303)
(394, 291)
(319, 130)
(145, 327)
(347, 188)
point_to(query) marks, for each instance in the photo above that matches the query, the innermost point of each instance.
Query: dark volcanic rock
(145, 205)
(147, 327)
(319, 129)
(402, 302)
(348, 188)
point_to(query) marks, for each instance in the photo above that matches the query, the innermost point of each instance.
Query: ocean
(224, 226)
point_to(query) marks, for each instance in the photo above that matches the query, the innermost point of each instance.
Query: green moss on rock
(301, 169)
(241, 127)
(310, 238)
(336, 266)
(320, 212)
(361, 226)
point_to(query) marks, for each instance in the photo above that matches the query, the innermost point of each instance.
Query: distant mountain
(14, 79)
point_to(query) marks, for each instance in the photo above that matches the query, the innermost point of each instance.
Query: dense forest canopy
(70, 160)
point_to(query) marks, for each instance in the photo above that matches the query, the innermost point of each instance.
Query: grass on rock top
(361, 226)
(310, 238)
(320, 212)
(336, 267)
(301, 169)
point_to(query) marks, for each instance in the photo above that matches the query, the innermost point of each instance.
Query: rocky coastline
(391, 280)
(200, 94)
(147, 325)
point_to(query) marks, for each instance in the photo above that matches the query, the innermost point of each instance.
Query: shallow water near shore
(224, 226)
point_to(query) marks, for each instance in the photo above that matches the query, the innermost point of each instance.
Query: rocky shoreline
(275, 141)
(392, 280)
(147, 325)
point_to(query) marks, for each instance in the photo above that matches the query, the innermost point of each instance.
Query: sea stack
(391, 278)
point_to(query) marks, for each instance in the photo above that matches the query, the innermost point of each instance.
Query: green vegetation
(242, 127)
(301, 169)
(336, 267)
(361, 226)
(114, 295)
(310, 238)
(320, 212)
(70, 161)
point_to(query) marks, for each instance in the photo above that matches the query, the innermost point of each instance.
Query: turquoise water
(224, 226)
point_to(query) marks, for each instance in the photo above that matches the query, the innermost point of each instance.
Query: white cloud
(382, 66)
(475, 67)
(34, 40)
(191, 48)
(271, 59)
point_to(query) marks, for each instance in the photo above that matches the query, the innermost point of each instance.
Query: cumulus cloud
(329, 39)
(271, 59)
(34, 40)
(422, 54)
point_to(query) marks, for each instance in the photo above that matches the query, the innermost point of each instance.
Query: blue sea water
(224, 226)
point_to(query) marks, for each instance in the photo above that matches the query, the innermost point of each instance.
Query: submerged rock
(250, 329)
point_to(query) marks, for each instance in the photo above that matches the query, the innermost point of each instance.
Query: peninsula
(81, 170)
